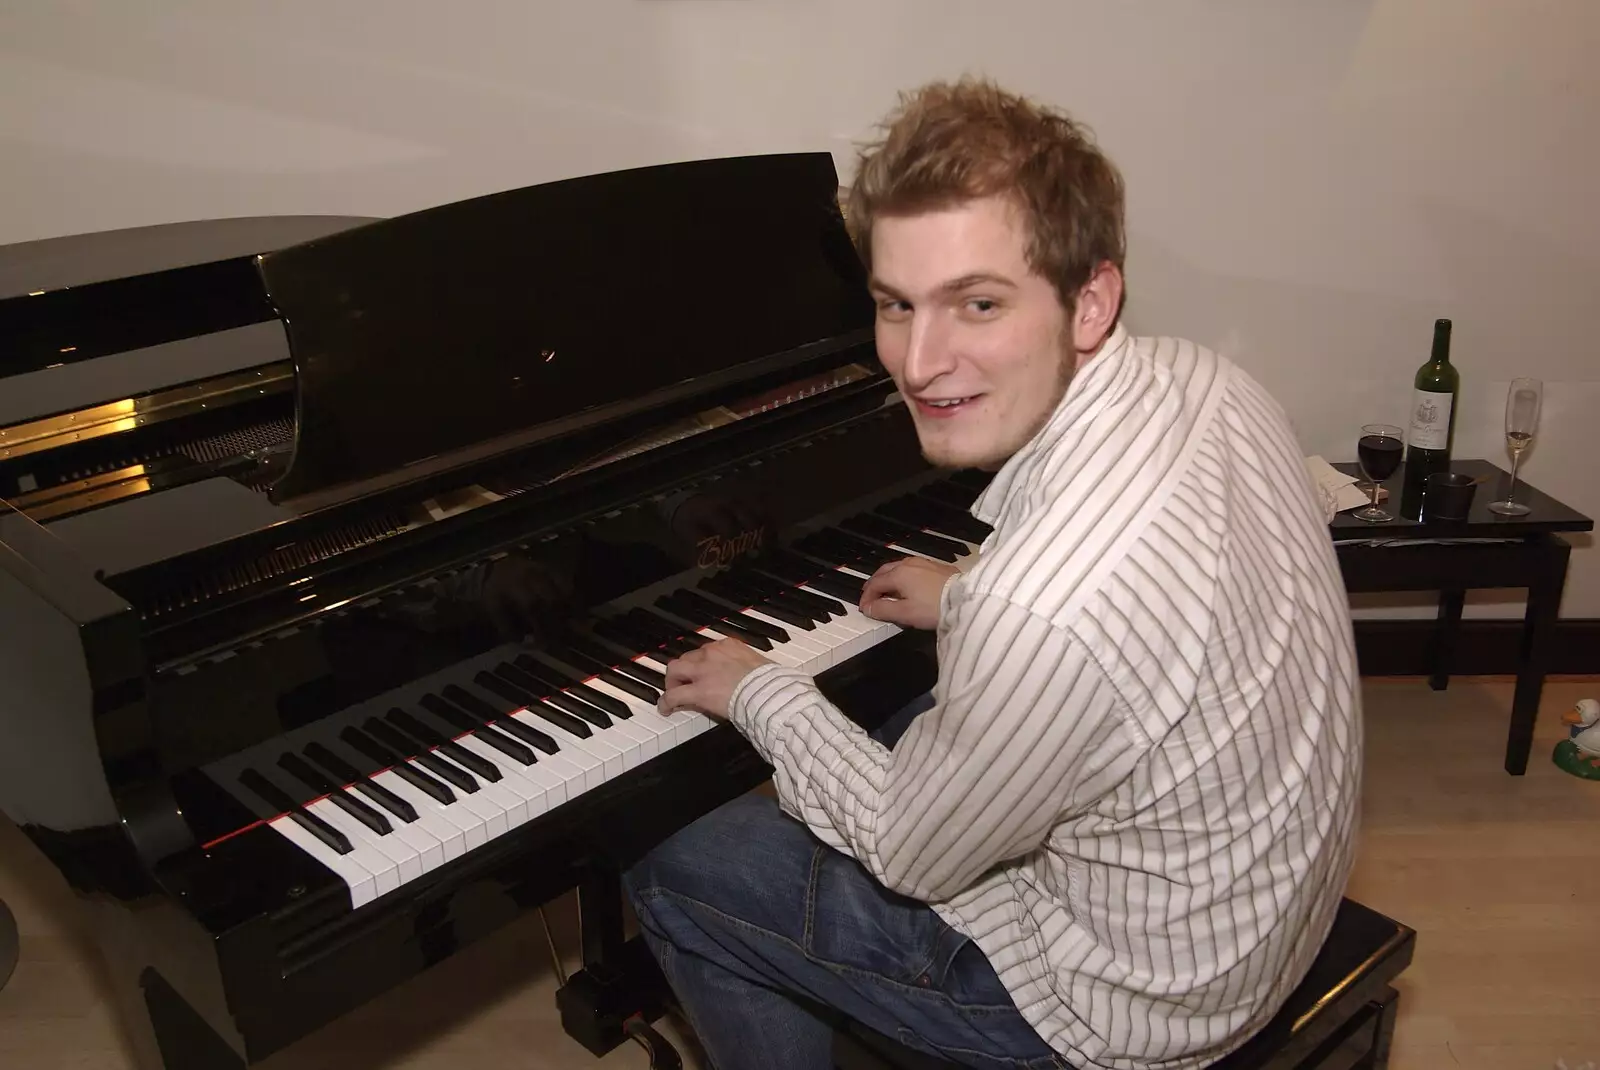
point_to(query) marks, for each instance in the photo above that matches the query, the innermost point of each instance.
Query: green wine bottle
(1435, 390)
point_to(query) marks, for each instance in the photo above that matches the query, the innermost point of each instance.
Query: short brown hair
(948, 143)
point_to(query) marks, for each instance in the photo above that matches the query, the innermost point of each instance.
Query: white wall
(1311, 183)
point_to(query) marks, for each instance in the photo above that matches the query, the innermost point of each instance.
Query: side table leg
(1443, 648)
(1538, 626)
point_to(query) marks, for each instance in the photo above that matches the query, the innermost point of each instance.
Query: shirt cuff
(745, 708)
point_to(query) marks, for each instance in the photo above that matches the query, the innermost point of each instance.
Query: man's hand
(704, 678)
(906, 592)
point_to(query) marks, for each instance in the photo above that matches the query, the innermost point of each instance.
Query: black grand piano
(340, 560)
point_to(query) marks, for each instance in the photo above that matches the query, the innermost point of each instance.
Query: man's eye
(982, 304)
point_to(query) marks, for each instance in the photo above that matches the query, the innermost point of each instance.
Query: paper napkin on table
(1338, 489)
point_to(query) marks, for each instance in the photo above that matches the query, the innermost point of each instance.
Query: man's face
(976, 341)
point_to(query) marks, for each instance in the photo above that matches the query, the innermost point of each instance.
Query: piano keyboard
(398, 786)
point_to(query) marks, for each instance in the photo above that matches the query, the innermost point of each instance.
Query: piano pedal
(663, 1056)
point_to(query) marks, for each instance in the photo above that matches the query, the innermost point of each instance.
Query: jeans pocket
(852, 921)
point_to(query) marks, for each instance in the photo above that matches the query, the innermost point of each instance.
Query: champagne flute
(1378, 451)
(1523, 402)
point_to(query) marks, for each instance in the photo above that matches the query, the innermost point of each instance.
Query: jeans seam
(814, 878)
(1052, 1060)
(827, 964)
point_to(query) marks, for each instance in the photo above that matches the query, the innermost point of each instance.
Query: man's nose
(928, 353)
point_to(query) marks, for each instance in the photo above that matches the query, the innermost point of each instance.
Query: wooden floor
(1499, 875)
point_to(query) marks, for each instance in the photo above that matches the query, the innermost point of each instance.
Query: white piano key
(509, 808)
(628, 736)
(591, 767)
(454, 828)
(404, 863)
(363, 886)
(511, 778)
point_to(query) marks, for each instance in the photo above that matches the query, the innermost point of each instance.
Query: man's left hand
(704, 678)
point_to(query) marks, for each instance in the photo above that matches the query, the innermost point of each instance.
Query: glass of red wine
(1379, 451)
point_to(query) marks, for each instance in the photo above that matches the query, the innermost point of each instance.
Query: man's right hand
(907, 592)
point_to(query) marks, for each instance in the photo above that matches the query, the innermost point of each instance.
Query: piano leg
(620, 989)
(159, 1015)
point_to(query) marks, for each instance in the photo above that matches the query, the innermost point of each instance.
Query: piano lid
(523, 315)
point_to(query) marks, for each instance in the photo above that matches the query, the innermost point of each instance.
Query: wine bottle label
(1430, 419)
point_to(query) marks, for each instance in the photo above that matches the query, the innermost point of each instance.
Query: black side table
(1484, 551)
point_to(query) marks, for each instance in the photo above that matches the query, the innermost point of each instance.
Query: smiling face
(978, 343)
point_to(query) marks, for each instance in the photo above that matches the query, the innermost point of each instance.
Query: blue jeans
(767, 936)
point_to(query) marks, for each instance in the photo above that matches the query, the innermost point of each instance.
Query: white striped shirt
(1137, 788)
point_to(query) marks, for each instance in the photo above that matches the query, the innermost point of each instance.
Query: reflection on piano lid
(338, 609)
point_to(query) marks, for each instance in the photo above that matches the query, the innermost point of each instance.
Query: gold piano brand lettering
(720, 550)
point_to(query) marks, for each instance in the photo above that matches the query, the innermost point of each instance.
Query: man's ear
(1095, 312)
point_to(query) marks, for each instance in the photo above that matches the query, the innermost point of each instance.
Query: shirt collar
(1092, 383)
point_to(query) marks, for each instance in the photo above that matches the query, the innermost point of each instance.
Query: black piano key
(449, 714)
(494, 736)
(742, 589)
(581, 663)
(425, 758)
(528, 734)
(275, 797)
(578, 708)
(306, 773)
(552, 696)
(950, 494)
(538, 707)
(828, 580)
(815, 609)
(692, 599)
(649, 624)
(466, 700)
(655, 624)
(757, 601)
(442, 744)
(974, 479)
(929, 513)
(375, 750)
(573, 685)
(643, 673)
(323, 831)
(726, 621)
(452, 714)
(931, 541)
(270, 793)
(829, 547)
(819, 607)
(379, 794)
(885, 531)
(503, 688)
(627, 636)
(497, 717)
(623, 682)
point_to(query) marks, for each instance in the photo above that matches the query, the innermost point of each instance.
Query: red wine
(1380, 456)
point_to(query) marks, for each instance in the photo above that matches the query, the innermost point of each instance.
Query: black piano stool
(1340, 1018)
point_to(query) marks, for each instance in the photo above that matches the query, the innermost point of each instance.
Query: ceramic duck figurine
(1580, 754)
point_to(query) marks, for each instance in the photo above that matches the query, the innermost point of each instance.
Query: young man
(1119, 834)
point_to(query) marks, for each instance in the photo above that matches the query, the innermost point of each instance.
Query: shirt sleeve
(1024, 731)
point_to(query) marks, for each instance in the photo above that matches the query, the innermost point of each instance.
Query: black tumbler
(1449, 496)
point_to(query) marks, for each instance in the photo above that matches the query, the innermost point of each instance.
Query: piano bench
(1340, 1017)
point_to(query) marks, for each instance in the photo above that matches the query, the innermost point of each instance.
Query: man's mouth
(944, 406)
